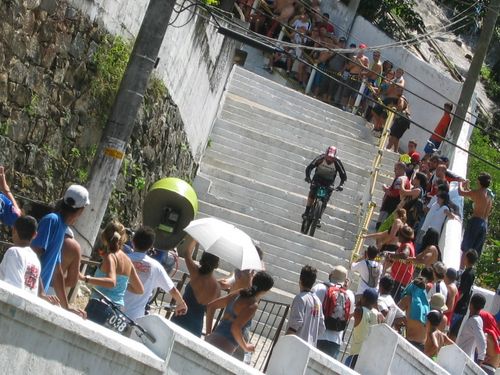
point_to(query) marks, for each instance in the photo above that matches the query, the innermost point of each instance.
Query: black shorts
(400, 125)
(381, 111)
(317, 182)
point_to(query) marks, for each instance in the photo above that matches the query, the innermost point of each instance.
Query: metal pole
(116, 135)
(468, 88)
(311, 80)
(359, 96)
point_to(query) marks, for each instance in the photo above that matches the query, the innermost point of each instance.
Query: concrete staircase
(252, 175)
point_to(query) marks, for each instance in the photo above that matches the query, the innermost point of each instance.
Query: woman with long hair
(240, 307)
(115, 275)
(202, 288)
(388, 239)
(430, 249)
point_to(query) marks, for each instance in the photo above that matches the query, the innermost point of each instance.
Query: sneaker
(377, 133)
(318, 224)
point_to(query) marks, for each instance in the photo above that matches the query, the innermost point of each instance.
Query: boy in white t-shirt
(369, 271)
(152, 275)
(20, 266)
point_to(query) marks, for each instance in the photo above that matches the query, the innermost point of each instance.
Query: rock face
(50, 117)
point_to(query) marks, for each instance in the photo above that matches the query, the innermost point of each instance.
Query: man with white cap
(338, 303)
(49, 240)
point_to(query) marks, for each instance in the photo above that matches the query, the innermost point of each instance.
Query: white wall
(38, 338)
(385, 352)
(340, 14)
(294, 356)
(422, 112)
(455, 361)
(195, 60)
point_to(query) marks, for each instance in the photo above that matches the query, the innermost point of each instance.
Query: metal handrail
(374, 175)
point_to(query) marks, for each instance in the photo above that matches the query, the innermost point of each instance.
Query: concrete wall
(195, 60)
(455, 361)
(38, 338)
(294, 356)
(422, 112)
(385, 352)
(341, 15)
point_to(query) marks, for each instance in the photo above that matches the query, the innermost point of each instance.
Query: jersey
(326, 172)
(21, 268)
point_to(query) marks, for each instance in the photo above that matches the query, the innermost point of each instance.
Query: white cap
(76, 196)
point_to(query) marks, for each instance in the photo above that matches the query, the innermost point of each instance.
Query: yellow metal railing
(371, 205)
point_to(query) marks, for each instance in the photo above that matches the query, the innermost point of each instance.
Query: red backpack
(336, 308)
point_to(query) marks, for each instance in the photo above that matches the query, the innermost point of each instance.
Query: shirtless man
(374, 79)
(475, 233)
(391, 99)
(415, 298)
(283, 10)
(357, 70)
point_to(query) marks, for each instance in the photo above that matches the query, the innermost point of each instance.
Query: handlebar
(117, 309)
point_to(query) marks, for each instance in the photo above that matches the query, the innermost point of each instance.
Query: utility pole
(116, 135)
(469, 85)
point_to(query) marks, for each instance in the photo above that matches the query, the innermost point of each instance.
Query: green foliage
(32, 108)
(491, 83)
(379, 12)
(5, 127)
(488, 266)
(110, 59)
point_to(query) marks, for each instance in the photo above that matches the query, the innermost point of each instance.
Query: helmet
(331, 151)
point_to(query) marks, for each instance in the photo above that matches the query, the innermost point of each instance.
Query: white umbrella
(225, 241)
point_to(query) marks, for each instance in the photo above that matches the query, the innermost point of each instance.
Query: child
(472, 337)
(152, 275)
(369, 271)
(435, 338)
(365, 316)
(306, 315)
(20, 266)
(464, 292)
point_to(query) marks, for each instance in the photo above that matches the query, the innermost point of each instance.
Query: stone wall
(51, 117)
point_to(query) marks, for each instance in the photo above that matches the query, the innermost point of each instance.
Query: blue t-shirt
(7, 215)
(50, 237)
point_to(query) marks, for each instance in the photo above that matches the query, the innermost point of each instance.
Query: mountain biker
(326, 167)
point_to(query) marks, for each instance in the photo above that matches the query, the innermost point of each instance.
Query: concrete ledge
(387, 353)
(294, 356)
(455, 361)
(185, 353)
(38, 338)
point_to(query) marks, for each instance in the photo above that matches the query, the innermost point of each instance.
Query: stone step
(298, 105)
(346, 202)
(299, 151)
(326, 232)
(353, 191)
(226, 143)
(275, 205)
(333, 129)
(293, 245)
(244, 112)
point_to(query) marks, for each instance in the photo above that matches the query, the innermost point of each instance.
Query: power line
(271, 40)
(278, 48)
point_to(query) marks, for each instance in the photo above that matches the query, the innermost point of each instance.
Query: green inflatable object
(169, 207)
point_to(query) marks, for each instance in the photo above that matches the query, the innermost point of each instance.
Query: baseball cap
(76, 196)
(338, 274)
(438, 302)
(362, 45)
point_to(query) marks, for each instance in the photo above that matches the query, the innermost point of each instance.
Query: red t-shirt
(403, 272)
(441, 128)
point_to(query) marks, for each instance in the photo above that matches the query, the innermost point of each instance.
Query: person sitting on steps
(326, 167)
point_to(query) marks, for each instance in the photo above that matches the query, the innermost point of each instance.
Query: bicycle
(119, 322)
(311, 222)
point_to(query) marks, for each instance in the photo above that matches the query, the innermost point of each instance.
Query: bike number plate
(118, 323)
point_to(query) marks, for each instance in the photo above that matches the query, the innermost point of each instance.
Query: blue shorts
(475, 235)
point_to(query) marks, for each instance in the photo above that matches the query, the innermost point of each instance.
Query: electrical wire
(366, 97)
(271, 40)
(408, 73)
